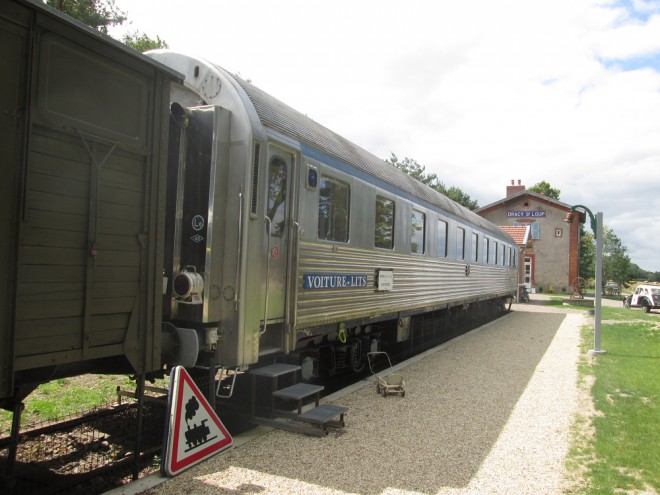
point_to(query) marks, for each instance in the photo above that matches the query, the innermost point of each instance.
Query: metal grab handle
(269, 225)
(240, 246)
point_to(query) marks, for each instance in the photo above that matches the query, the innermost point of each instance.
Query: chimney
(514, 189)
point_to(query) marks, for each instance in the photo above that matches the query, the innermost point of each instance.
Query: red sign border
(172, 464)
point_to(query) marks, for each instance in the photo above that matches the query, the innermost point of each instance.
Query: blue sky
(481, 93)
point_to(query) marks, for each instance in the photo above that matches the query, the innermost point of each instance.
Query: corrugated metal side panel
(419, 282)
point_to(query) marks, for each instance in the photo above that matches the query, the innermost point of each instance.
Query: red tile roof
(520, 233)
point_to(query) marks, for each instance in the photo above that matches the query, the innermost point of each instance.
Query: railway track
(89, 453)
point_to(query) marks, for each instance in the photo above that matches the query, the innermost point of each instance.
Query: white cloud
(478, 92)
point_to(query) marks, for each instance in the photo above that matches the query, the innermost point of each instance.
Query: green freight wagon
(83, 152)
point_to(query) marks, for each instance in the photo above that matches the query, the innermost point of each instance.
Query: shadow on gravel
(457, 402)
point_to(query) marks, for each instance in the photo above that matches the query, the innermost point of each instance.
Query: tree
(616, 263)
(99, 14)
(587, 254)
(415, 170)
(545, 189)
(418, 171)
(141, 42)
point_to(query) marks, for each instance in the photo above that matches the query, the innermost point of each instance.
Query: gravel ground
(488, 413)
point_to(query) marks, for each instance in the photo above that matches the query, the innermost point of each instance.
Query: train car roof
(281, 117)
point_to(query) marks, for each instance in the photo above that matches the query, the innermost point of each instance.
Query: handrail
(240, 247)
(269, 223)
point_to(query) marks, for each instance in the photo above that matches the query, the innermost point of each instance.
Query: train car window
(493, 253)
(334, 206)
(501, 259)
(442, 239)
(475, 247)
(486, 249)
(384, 229)
(277, 180)
(460, 243)
(417, 234)
(507, 260)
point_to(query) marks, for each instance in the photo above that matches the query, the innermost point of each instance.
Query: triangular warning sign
(194, 432)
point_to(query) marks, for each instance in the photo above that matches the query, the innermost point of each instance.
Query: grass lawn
(619, 452)
(67, 396)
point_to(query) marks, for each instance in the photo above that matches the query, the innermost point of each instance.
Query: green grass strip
(621, 452)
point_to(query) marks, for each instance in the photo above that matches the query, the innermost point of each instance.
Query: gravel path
(488, 413)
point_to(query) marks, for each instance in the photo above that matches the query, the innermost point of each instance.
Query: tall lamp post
(597, 227)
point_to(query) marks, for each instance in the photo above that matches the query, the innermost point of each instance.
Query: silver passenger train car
(285, 240)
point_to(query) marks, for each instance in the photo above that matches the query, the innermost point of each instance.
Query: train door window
(334, 207)
(442, 238)
(501, 258)
(277, 185)
(417, 233)
(384, 229)
(475, 247)
(507, 260)
(460, 243)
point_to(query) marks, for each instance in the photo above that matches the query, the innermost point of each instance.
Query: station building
(550, 262)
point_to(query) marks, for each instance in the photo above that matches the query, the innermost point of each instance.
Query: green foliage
(616, 263)
(587, 254)
(418, 171)
(620, 456)
(141, 42)
(68, 396)
(545, 189)
(99, 14)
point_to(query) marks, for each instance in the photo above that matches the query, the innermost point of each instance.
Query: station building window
(442, 239)
(384, 230)
(334, 208)
(417, 234)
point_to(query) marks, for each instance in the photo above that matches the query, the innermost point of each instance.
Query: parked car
(612, 289)
(645, 296)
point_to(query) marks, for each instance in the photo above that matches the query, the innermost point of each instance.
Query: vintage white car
(645, 296)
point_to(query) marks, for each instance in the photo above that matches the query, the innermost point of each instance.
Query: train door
(529, 265)
(279, 206)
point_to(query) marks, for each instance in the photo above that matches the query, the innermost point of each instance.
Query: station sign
(194, 431)
(525, 214)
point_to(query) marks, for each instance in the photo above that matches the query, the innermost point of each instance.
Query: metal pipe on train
(159, 210)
